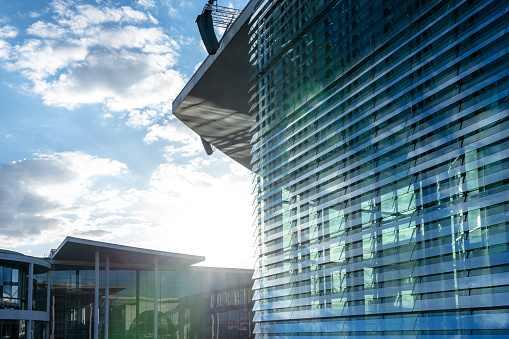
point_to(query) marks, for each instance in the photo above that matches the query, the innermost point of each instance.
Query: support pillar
(48, 300)
(96, 297)
(137, 323)
(107, 300)
(156, 295)
(30, 307)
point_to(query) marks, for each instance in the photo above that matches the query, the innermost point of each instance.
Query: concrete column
(28, 329)
(107, 300)
(156, 295)
(48, 300)
(137, 323)
(96, 297)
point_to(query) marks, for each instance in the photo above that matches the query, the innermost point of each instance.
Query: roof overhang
(214, 103)
(18, 260)
(82, 251)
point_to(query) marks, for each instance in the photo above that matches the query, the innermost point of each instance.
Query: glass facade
(193, 303)
(13, 287)
(40, 292)
(17, 329)
(14, 329)
(23, 309)
(381, 157)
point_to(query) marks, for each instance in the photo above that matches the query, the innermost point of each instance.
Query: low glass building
(103, 290)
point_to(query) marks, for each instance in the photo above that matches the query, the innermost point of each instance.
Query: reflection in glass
(13, 288)
(195, 303)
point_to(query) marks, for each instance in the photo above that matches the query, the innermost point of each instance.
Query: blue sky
(88, 144)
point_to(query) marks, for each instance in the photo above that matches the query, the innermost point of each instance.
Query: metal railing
(222, 16)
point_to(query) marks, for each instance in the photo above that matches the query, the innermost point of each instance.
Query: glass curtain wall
(13, 287)
(194, 303)
(17, 329)
(381, 162)
(72, 300)
(12, 329)
(40, 291)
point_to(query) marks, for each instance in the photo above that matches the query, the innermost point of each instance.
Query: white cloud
(98, 54)
(188, 150)
(120, 80)
(172, 130)
(46, 30)
(220, 32)
(147, 3)
(149, 91)
(51, 195)
(144, 118)
(174, 180)
(114, 201)
(206, 210)
(5, 49)
(152, 19)
(184, 208)
(184, 142)
(238, 169)
(173, 12)
(39, 59)
(148, 40)
(8, 32)
(186, 4)
(82, 17)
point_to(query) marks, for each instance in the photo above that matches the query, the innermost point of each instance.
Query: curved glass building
(379, 142)
(23, 298)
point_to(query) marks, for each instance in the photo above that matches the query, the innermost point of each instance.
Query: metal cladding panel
(381, 148)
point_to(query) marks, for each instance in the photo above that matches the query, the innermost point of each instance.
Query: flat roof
(83, 250)
(215, 101)
(19, 260)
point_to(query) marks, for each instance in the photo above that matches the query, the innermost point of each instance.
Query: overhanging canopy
(82, 250)
(214, 103)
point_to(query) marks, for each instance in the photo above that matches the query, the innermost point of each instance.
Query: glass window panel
(15, 275)
(7, 274)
